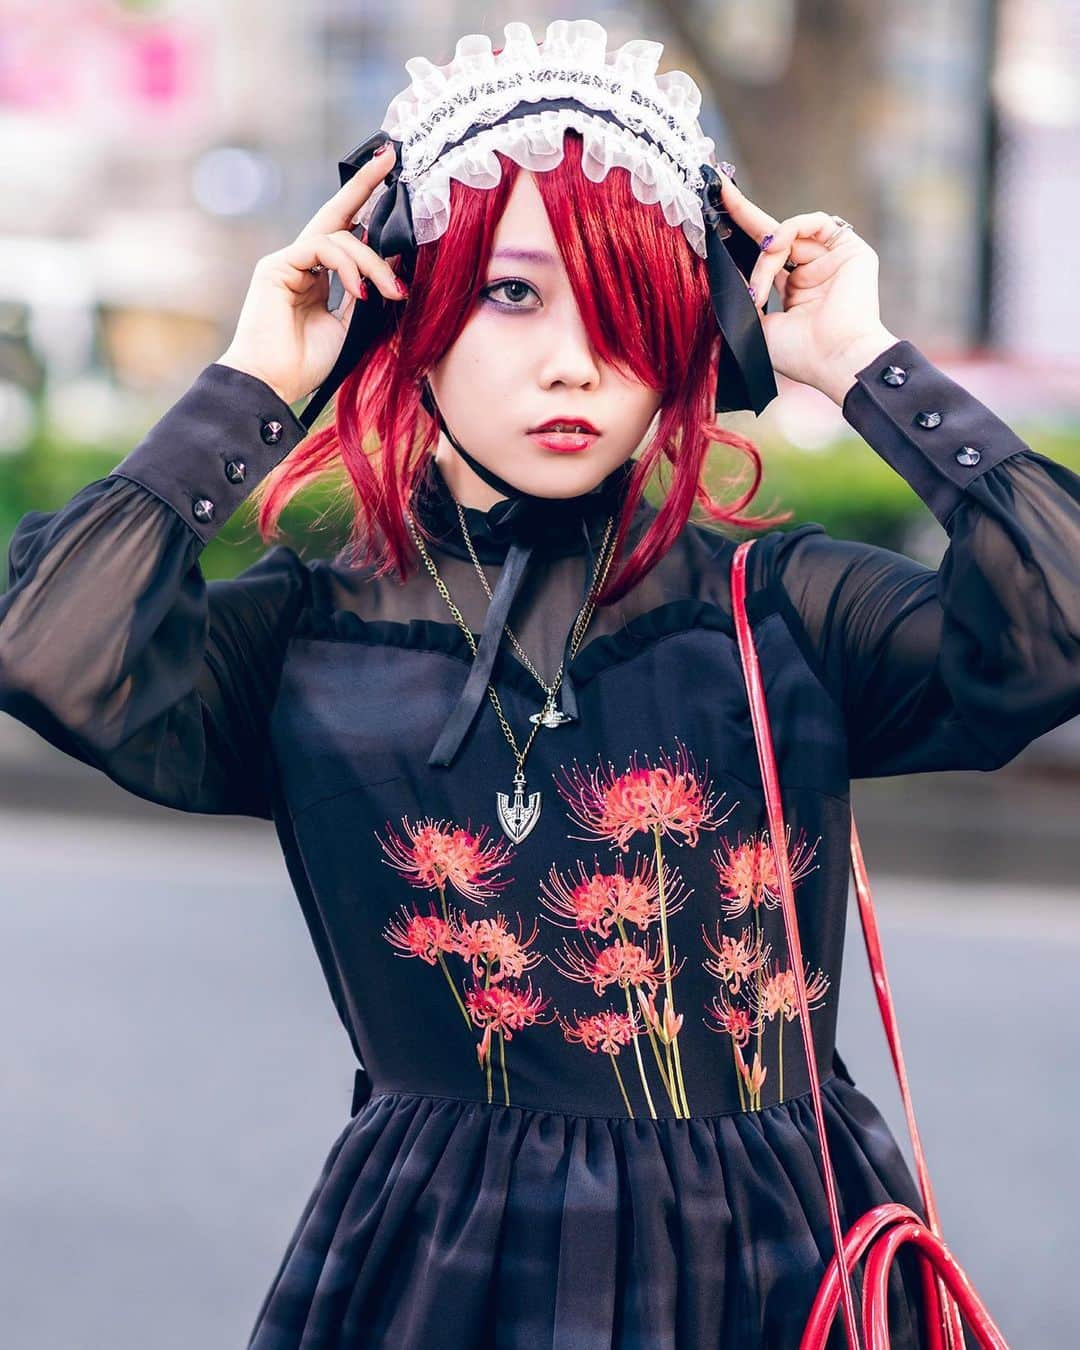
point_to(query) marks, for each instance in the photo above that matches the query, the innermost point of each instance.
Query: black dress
(515, 1172)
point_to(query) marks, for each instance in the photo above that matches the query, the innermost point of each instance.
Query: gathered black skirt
(441, 1222)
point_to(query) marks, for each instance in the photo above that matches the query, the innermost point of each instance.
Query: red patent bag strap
(767, 766)
(941, 1273)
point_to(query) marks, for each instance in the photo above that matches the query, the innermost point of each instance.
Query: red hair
(644, 299)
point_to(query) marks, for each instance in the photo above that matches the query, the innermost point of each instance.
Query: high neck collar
(555, 526)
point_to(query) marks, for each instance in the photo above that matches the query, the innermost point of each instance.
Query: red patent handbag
(883, 1230)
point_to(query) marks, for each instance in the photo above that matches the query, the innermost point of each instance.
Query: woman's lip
(579, 428)
(565, 441)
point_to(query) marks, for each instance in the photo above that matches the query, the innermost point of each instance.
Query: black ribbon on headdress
(744, 380)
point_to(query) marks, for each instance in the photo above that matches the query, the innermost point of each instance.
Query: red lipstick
(578, 434)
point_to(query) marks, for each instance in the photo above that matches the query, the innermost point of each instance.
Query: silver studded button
(203, 510)
(928, 419)
(235, 470)
(271, 432)
(968, 455)
(894, 375)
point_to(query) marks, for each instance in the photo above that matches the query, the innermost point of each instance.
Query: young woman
(505, 741)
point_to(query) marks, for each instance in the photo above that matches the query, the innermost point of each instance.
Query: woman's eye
(515, 290)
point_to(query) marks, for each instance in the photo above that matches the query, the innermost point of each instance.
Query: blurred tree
(828, 85)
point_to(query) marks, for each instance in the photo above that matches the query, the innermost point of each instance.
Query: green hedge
(846, 488)
(855, 494)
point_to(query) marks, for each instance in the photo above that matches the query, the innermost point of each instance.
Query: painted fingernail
(767, 241)
(382, 149)
(727, 168)
(363, 290)
(752, 292)
(401, 287)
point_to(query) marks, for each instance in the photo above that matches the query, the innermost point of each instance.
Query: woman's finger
(353, 261)
(801, 238)
(338, 211)
(371, 264)
(295, 260)
(756, 222)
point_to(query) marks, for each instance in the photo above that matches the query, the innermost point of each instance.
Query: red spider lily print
(501, 1008)
(489, 945)
(506, 1009)
(626, 965)
(666, 1026)
(746, 872)
(601, 901)
(753, 1078)
(735, 959)
(427, 936)
(606, 1031)
(496, 954)
(747, 880)
(670, 799)
(778, 997)
(439, 854)
(736, 1021)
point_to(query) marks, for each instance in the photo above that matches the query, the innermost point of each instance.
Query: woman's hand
(830, 326)
(285, 335)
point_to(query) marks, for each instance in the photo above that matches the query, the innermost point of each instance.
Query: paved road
(173, 1076)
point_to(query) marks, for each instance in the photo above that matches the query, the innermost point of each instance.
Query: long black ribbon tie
(469, 700)
(472, 695)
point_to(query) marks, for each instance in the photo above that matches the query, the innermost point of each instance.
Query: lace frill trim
(479, 86)
(536, 143)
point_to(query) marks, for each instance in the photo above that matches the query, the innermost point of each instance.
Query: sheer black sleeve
(115, 648)
(962, 667)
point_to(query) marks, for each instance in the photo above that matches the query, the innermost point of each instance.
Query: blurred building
(1035, 274)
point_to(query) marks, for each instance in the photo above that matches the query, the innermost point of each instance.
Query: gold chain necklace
(516, 816)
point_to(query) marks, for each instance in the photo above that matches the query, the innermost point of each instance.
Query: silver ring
(317, 269)
(842, 224)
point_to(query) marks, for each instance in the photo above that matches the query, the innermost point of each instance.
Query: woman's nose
(571, 359)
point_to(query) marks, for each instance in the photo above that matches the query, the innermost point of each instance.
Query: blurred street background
(172, 1072)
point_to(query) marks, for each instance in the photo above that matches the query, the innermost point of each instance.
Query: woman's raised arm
(114, 647)
(962, 667)
(112, 644)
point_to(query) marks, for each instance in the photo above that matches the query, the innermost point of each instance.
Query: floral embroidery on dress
(440, 854)
(670, 799)
(747, 879)
(617, 914)
(608, 1031)
(599, 903)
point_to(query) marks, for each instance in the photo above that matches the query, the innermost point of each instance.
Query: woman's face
(524, 357)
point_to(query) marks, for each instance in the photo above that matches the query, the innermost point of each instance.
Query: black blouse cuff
(213, 446)
(936, 434)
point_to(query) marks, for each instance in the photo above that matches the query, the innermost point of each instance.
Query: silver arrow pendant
(517, 817)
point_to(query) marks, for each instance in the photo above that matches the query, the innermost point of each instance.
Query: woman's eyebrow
(532, 255)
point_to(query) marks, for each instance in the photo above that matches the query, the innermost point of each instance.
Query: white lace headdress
(447, 122)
